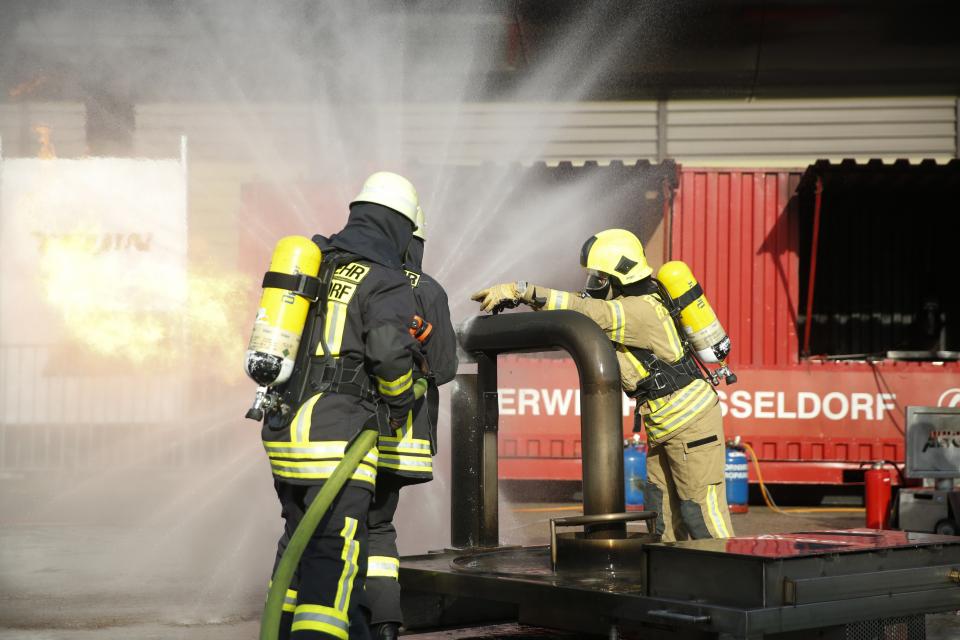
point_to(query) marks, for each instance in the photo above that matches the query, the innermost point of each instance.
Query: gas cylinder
(878, 488)
(737, 483)
(634, 472)
(281, 317)
(699, 322)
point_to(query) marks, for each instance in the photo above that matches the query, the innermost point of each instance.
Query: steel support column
(812, 280)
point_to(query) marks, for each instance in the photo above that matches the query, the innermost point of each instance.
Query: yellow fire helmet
(618, 253)
(421, 230)
(393, 191)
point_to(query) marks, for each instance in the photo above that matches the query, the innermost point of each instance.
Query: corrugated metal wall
(707, 133)
(795, 133)
(737, 231)
(53, 419)
(230, 144)
(462, 134)
(575, 132)
(763, 133)
(37, 387)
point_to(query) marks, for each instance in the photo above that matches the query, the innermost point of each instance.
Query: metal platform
(859, 584)
(770, 586)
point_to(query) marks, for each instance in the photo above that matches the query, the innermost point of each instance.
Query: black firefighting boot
(385, 631)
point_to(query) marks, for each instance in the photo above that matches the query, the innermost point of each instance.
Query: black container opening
(887, 260)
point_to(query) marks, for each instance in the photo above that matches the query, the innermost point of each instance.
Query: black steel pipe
(601, 399)
(466, 491)
(474, 512)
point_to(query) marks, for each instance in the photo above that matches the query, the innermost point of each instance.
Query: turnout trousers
(383, 585)
(326, 598)
(685, 481)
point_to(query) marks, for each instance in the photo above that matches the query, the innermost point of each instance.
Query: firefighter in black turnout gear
(405, 457)
(354, 371)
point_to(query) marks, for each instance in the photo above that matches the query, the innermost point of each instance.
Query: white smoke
(305, 92)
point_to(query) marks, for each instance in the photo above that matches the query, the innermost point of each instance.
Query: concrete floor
(171, 560)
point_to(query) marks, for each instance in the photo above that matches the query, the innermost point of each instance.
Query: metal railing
(55, 417)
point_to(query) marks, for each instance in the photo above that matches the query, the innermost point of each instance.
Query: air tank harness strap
(336, 378)
(664, 377)
(688, 298)
(301, 284)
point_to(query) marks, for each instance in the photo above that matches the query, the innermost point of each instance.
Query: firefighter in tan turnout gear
(354, 370)
(680, 409)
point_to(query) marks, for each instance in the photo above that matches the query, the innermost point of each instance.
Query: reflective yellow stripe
(558, 300)
(680, 416)
(334, 325)
(670, 405)
(301, 422)
(617, 320)
(657, 404)
(343, 286)
(395, 387)
(406, 446)
(713, 508)
(315, 617)
(320, 451)
(289, 600)
(403, 441)
(350, 554)
(671, 328)
(419, 464)
(383, 567)
(318, 470)
(634, 361)
(315, 450)
(333, 620)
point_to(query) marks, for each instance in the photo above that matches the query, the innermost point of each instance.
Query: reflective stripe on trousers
(334, 620)
(383, 567)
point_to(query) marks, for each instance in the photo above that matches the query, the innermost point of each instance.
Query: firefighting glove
(419, 390)
(500, 295)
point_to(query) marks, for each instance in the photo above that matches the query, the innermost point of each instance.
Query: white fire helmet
(393, 191)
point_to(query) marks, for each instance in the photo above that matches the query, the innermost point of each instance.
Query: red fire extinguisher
(878, 490)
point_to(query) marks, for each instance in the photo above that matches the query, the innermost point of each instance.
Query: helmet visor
(597, 285)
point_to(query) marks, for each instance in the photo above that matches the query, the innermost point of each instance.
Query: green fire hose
(273, 609)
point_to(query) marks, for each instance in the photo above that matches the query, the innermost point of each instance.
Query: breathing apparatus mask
(597, 285)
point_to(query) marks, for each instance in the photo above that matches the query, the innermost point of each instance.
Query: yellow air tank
(699, 322)
(280, 318)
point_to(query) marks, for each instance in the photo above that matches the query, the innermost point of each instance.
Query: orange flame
(27, 87)
(46, 152)
(163, 318)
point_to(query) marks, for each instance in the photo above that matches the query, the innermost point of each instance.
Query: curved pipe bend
(601, 399)
(544, 331)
